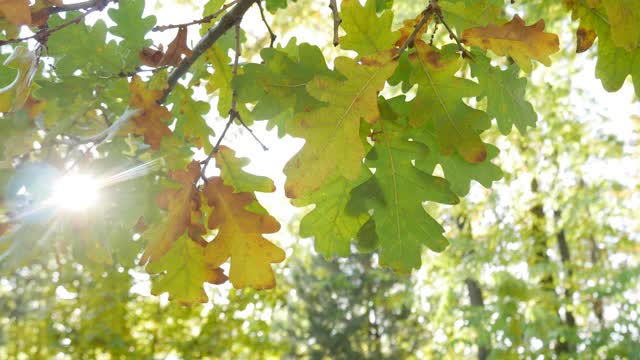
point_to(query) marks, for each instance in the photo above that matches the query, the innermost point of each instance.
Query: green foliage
(396, 128)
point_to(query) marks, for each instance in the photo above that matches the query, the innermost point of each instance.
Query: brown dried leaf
(177, 48)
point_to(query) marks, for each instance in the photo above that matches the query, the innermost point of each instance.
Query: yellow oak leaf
(16, 11)
(240, 237)
(149, 122)
(516, 40)
(335, 129)
(624, 17)
(183, 206)
(14, 95)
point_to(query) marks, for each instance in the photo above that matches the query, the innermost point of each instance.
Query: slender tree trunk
(598, 306)
(565, 256)
(477, 300)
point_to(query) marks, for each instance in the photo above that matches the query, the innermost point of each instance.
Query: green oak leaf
(465, 14)
(191, 124)
(71, 46)
(232, 174)
(367, 33)
(457, 171)
(396, 193)
(182, 271)
(274, 5)
(333, 146)
(624, 19)
(221, 81)
(505, 93)
(131, 25)
(615, 64)
(329, 222)
(277, 85)
(438, 103)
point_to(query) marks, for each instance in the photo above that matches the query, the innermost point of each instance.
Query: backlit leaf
(514, 39)
(334, 129)
(240, 237)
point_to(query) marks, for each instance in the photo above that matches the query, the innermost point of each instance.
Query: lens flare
(75, 192)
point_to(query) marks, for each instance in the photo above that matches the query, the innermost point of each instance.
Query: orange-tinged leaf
(151, 122)
(240, 237)
(177, 48)
(16, 11)
(585, 38)
(517, 40)
(408, 27)
(181, 205)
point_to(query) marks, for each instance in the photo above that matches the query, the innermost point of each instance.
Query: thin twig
(43, 34)
(100, 4)
(426, 14)
(212, 35)
(438, 12)
(206, 161)
(337, 20)
(272, 36)
(204, 20)
(233, 113)
(244, 125)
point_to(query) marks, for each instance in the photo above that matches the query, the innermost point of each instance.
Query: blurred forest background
(545, 264)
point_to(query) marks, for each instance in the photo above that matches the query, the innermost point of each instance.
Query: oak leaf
(182, 271)
(438, 104)
(396, 193)
(151, 122)
(516, 40)
(232, 174)
(183, 205)
(173, 56)
(16, 11)
(14, 95)
(335, 129)
(624, 18)
(584, 38)
(240, 237)
(367, 33)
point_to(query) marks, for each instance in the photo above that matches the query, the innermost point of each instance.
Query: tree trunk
(476, 299)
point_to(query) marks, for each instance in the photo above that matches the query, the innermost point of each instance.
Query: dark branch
(212, 35)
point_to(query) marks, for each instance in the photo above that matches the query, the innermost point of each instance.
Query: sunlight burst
(76, 192)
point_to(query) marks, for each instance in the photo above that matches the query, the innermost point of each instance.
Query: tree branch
(212, 35)
(204, 20)
(272, 36)
(426, 14)
(44, 33)
(337, 20)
